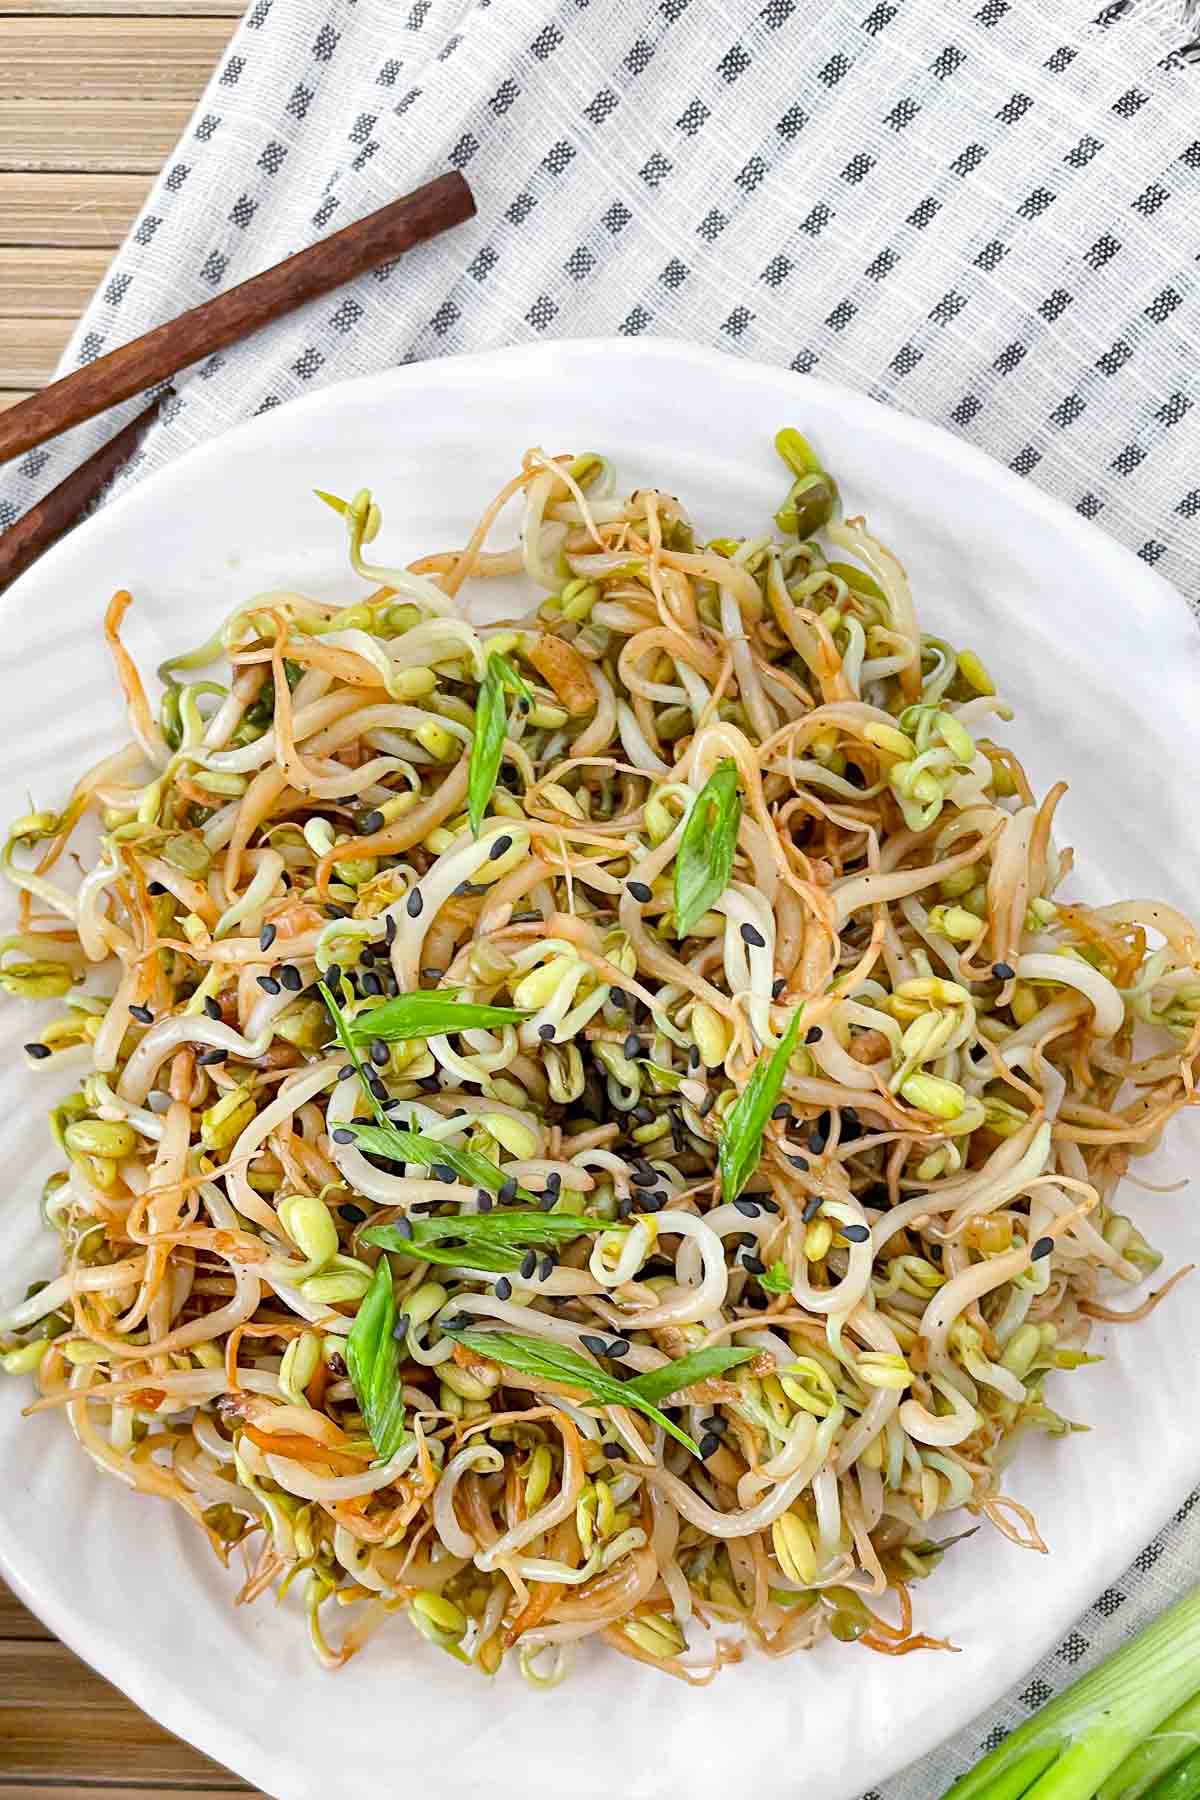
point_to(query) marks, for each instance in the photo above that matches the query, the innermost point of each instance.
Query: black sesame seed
(798, 1162)
(710, 1443)
(597, 1345)
(778, 986)
(812, 1207)
(1043, 1247)
(619, 998)
(156, 888)
(377, 1088)
(618, 1348)
(210, 1057)
(503, 1288)
(640, 891)
(266, 937)
(389, 930)
(548, 1201)
(613, 1452)
(291, 978)
(528, 1264)
(754, 1265)
(485, 1200)
(753, 936)
(333, 975)
(345, 1072)
(978, 1052)
(371, 821)
(144, 1016)
(508, 1189)
(414, 903)
(855, 1234)
(211, 1007)
(429, 1084)
(653, 1202)
(624, 1208)
(813, 1035)
(1003, 971)
(442, 1172)
(693, 1058)
(39, 1052)
(380, 1054)
(782, 1111)
(745, 1240)
(371, 984)
(553, 1182)
(353, 1215)
(400, 1328)
(747, 1208)
(771, 1206)
(546, 1033)
(644, 1177)
(632, 1046)
(342, 1136)
(706, 1105)
(546, 1268)
(500, 848)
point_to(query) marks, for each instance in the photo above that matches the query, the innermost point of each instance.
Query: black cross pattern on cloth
(983, 214)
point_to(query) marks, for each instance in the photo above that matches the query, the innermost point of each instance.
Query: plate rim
(1147, 581)
(158, 1692)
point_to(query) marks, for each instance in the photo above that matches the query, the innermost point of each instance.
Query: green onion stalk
(1129, 1728)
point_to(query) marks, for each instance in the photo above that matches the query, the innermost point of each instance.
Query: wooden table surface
(93, 94)
(77, 155)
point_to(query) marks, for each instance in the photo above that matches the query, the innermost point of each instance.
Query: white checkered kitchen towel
(982, 211)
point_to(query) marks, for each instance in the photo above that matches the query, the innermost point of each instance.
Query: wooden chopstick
(167, 349)
(66, 504)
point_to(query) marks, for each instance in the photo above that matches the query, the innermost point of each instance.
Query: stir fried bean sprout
(598, 1125)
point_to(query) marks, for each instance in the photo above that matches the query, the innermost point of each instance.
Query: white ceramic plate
(1101, 658)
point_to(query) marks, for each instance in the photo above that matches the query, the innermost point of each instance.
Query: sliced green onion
(704, 859)
(373, 1363)
(741, 1138)
(492, 1241)
(487, 745)
(399, 1144)
(548, 1361)
(428, 1014)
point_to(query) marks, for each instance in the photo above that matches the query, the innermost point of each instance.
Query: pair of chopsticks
(137, 367)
